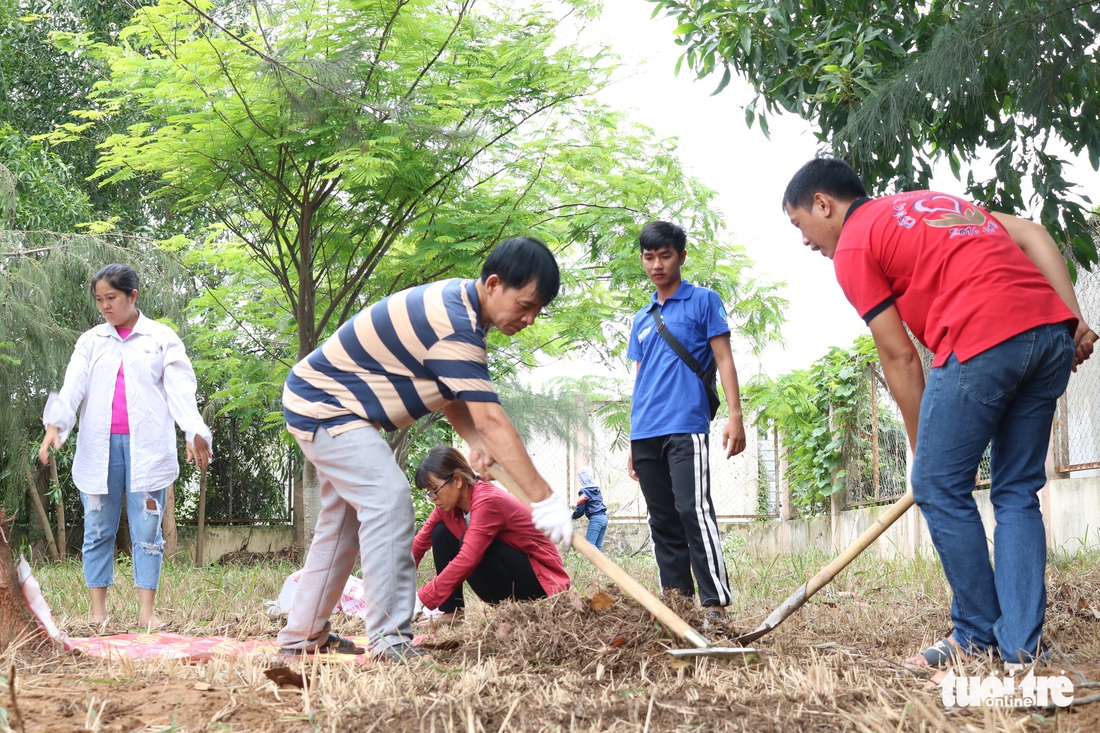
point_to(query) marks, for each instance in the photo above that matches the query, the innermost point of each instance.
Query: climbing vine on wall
(818, 412)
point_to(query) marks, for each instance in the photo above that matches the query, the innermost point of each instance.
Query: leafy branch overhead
(303, 160)
(894, 87)
(351, 150)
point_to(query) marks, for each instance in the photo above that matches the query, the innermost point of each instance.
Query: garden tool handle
(861, 543)
(620, 577)
(822, 578)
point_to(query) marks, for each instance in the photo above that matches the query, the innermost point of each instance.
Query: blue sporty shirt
(668, 397)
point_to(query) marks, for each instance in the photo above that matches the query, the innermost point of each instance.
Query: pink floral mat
(167, 645)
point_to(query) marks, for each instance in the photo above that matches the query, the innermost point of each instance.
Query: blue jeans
(1004, 398)
(144, 510)
(597, 528)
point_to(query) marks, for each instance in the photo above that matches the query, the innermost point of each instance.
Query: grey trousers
(366, 511)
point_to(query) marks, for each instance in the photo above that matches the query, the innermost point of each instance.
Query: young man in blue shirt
(670, 421)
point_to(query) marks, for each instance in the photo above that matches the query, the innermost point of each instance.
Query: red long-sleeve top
(494, 514)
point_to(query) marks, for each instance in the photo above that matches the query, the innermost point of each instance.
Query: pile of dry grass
(563, 665)
(605, 633)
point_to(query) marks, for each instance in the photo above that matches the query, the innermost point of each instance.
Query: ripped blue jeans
(101, 516)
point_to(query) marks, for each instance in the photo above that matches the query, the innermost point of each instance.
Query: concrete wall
(221, 539)
(1071, 513)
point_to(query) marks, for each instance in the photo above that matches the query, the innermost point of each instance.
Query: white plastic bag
(351, 600)
(32, 594)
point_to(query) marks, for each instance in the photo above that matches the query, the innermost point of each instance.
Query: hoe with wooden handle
(634, 589)
(826, 574)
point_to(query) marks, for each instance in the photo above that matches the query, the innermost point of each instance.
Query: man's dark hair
(518, 260)
(657, 234)
(119, 277)
(830, 176)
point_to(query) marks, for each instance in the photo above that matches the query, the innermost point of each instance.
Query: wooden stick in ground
(44, 518)
(200, 530)
(627, 584)
(55, 482)
(171, 532)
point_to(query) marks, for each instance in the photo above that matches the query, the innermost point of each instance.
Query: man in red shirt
(990, 296)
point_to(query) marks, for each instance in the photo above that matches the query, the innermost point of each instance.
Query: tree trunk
(16, 621)
(305, 511)
(400, 441)
(55, 485)
(311, 502)
(297, 500)
(200, 528)
(40, 512)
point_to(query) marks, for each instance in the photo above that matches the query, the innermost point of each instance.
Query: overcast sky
(748, 171)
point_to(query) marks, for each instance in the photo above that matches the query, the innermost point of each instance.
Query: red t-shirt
(494, 514)
(957, 278)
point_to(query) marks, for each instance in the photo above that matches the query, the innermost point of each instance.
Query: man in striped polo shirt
(412, 353)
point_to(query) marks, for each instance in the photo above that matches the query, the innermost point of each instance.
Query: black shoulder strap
(681, 352)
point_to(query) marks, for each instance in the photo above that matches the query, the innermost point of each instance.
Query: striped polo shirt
(393, 362)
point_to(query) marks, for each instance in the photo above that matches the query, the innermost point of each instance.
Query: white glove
(554, 519)
(422, 612)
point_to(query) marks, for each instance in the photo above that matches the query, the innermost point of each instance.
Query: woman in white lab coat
(130, 380)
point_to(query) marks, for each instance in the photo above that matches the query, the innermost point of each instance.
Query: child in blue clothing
(591, 504)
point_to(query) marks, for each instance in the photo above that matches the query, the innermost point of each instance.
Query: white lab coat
(160, 389)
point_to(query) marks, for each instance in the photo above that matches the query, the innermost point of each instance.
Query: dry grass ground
(557, 665)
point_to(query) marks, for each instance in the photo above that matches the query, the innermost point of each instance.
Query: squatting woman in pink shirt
(480, 534)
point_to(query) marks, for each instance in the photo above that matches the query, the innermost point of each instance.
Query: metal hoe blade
(778, 616)
(747, 655)
(703, 648)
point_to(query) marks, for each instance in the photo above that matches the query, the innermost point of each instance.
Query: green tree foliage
(824, 418)
(43, 193)
(892, 87)
(327, 153)
(348, 150)
(38, 85)
(353, 149)
(41, 86)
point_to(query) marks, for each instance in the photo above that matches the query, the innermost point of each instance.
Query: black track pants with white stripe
(674, 472)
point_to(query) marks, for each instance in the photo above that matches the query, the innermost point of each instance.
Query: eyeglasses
(433, 493)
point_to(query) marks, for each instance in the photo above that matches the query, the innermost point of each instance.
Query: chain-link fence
(872, 461)
(741, 487)
(249, 482)
(873, 449)
(1077, 426)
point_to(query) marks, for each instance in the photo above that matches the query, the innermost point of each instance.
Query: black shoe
(714, 620)
(334, 644)
(401, 652)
